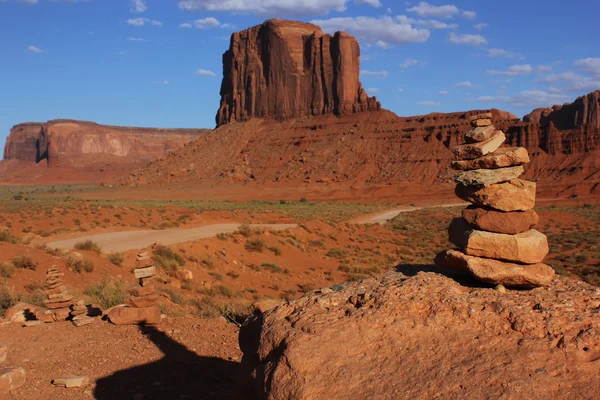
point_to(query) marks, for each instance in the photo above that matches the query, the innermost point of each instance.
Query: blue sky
(158, 62)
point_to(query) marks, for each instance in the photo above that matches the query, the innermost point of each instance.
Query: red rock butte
(287, 69)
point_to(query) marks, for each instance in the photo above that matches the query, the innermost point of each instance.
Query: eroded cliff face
(583, 111)
(81, 144)
(287, 69)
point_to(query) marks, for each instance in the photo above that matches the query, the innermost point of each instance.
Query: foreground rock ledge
(428, 337)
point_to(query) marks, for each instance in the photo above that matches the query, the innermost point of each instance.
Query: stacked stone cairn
(79, 314)
(59, 300)
(495, 237)
(141, 307)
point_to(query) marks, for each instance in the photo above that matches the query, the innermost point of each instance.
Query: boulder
(143, 301)
(530, 247)
(426, 337)
(501, 158)
(146, 272)
(515, 195)
(480, 149)
(480, 134)
(266, 305)
(496, 272)
(509, 223)
(134, 316)
(11, 378)
(72, 381)
(487, 177)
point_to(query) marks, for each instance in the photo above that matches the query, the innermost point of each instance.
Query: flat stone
(501, 158)
(61, 314)
(486, 115)
(146, 281)
(3, 353)
(11, 378)
(52, 282)
(481, 122)
(265, 305)
(80, 303)
(54, 285)
(480, 149)
(515, 195)
(58, 289)
(83, 321)
(56, 306)
(143, 254)
(530, 247)
(134, 316)
(77, 312)
(141, 302)
(509, 223)
(145, 272)
(16, 313)
(145, 290)
(480, 134)
(60, 295)
(497, 272)
(487, 177)
(44, 315)
(78, 307)
(30, 324)
(72, 381)
(144, 263)
(60, 299)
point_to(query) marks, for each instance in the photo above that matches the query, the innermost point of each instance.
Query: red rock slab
(11, 378)
(141, 302)
(487, 115)
(509, 223)
(501, 158)
(479, 134)
(515, 195)
(480, 149)
(497, 272)
(134, 316)
(481, 122)
(487, 177)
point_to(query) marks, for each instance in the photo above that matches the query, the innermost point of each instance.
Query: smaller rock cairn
(59, 300)
(495, 236)
(79, 314)
(140, 308)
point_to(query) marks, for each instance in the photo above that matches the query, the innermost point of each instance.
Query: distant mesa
(287, 69)
(583, 111)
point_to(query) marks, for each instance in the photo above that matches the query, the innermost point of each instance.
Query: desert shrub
(337, 253)
(223, 236)
(289, 294)
(89, 246)
(209, 262)
(306, 287)
(317, 243)
(108, 293)
(8, 237)
(233, 275)
(236, 313)
(206, 308)
(7, 270)
(275, 250)
(7, 299)
(167, 259)
(255, 246)
(184, 218)
(166, 225)
(176, 296)
(24, 262)
(116, 258)
(271, 267)
(35, 294)
(223, 291)
(187, 285)
(79, 265)
(245, 230)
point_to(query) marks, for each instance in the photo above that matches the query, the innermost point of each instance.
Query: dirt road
(386, 216)
(122, 241)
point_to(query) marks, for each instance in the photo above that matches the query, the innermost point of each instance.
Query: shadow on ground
(181, 374)
(463, 279)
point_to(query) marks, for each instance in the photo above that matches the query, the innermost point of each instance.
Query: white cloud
(515, 70)
(137, 22)
(481, 26)
(382, 44)
(372, 3)
(34, 49)
(543, 68)
(372, 90)
(426, 10)
(376, 74)
(409, 63)
(443, 92)
(206, 23)
(470, 15)
(495, 52)
(122, 53)
(465, 84)
(136, 39)
(573, 82)
(160, 82)
(267, 7)
(138, 6)
(382, 31)
(589, 65)
(425, 23)
(428, 103)
(399, 90)
(204, 72)
(527, 99)
(185, 25)
(471, 40)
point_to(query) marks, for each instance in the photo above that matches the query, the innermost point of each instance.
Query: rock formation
(583, 111)
(287, 69)
(424, 337)
(490, 180)
(59, 300)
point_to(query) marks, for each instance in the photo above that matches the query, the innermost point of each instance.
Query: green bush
(7, 299)
(24, 262)
(271, 267)
(167, 259)
(116, 258)
(89, 246)
(275, 250)
(206, 308)
(337, 253)
(108, 293)
(255, 245)
(176, 296)
(7, 270)
(8, 237)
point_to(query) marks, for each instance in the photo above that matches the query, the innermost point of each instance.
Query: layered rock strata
(141, 307)
(495, 236)
(288, 69)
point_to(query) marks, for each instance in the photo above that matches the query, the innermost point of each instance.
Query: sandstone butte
(288, 69)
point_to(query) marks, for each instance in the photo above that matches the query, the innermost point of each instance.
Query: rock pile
(79, 314)
(495, 235)
(140, 308)
(59, 300)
